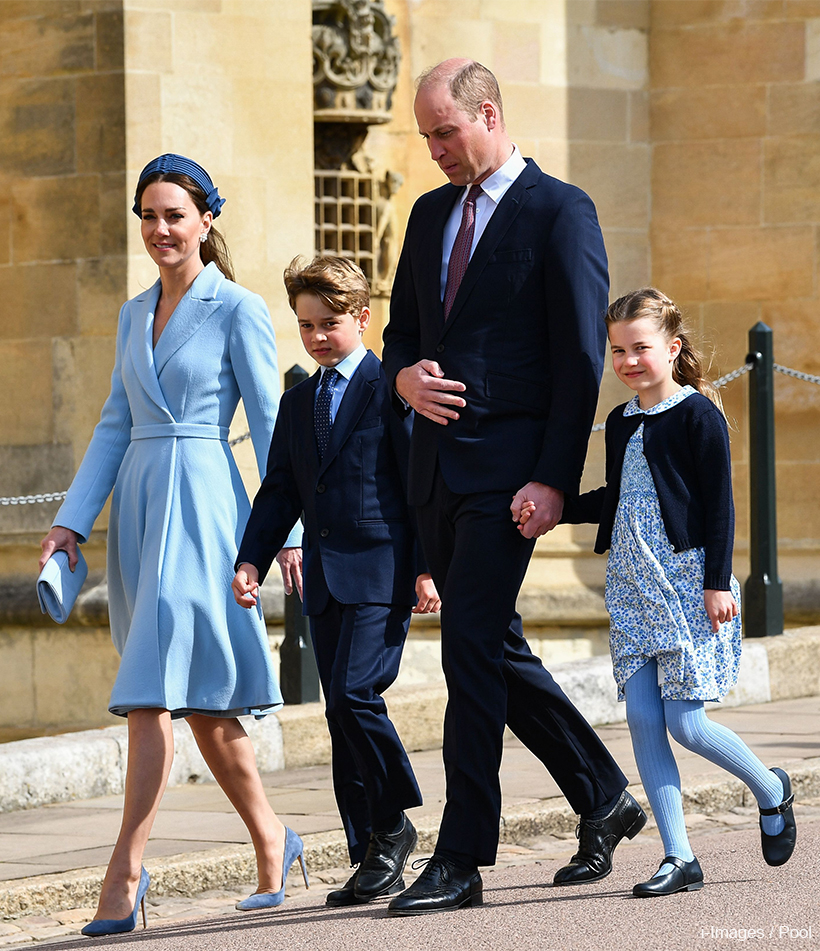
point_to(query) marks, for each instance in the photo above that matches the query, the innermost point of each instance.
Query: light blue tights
(649, 717)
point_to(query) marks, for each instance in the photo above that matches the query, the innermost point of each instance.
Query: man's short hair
(337, 281)
(469, 85)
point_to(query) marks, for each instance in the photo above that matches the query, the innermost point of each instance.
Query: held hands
(290, 564)
(60, 539)
(245, 585)
(720, 606)
(537, 509)
(428, 600)
(423, 386)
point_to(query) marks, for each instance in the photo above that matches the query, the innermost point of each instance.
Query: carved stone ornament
(355, 61)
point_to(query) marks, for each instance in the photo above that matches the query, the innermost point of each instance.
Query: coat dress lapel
(141, 346)
(199, 302)
(358, 394)
(516, 196)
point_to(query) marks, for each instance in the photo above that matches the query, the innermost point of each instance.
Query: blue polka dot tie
(321, 413)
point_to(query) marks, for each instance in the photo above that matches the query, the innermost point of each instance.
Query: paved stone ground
(198, 817)
(550, 851)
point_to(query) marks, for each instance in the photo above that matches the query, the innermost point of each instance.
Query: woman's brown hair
(214, 248)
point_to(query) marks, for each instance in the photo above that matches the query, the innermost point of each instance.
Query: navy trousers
(358, 651)
(478, 559)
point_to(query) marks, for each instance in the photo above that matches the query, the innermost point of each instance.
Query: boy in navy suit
(339, 456)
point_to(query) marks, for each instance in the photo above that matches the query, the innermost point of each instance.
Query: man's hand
(548, 502)
(60, 539)
(245, 585)
(720, 606)
(423, 386)
(428, 600)
(290, 564)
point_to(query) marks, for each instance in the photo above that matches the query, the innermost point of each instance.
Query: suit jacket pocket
(522, 255)
(511, 389)
(368, 423)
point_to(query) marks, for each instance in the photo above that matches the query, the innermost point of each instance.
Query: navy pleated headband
(171, 162)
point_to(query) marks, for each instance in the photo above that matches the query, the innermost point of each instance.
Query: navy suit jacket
(525, 335)
(359, 541)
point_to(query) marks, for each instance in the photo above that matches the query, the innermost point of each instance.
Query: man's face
(461, 145)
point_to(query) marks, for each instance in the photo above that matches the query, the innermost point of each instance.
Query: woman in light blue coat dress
(187, 350)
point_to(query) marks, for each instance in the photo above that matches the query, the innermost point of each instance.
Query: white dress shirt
(346, 368)
(493, 190)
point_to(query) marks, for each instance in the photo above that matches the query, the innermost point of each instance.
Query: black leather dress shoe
(684, 877)
(597, 840)
(777, 849)
(346, 895)
(440, 887)
(384, 862)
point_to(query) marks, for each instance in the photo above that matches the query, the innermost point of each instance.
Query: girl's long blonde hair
(687, 369)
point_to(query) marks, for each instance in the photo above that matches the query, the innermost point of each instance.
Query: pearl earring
(203, 237)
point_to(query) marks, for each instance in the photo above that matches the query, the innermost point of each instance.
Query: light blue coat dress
(179, 507)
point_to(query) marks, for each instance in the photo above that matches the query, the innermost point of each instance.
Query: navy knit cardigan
(687, 448)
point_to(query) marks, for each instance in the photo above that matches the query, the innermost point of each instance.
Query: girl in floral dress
(666, 515)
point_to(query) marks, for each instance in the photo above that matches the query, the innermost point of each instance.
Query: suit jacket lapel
(141, 346)
(304, 419)
(516, 196)
(190, 314)
(358, 394)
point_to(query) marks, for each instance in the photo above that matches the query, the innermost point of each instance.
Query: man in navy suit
(496, 339)
(339, 456)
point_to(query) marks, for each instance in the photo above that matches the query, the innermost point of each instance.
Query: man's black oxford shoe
(440, 887)
(383, 865)
(346, 895)
(597, 839)
(777, 849)
(684, 877)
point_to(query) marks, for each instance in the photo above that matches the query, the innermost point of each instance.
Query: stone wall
(694, 125)
(90, 90)
(62, 237)
(735, 125)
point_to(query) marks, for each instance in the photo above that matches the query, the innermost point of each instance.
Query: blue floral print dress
(654, 595)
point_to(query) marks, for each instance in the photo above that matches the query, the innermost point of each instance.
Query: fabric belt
(173, 430)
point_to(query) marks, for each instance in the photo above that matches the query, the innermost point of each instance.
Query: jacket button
(440, 348)
(320, 488)
(324, 532)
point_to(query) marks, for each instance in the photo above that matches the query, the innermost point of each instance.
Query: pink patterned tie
(460, 255)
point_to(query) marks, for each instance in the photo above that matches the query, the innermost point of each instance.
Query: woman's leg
(150, 754)
(228, 751)
(689, 725)
(656, 763)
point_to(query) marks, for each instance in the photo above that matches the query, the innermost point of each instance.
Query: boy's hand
(290, 564)
(428, 600)
(720, 606)
(245, 585)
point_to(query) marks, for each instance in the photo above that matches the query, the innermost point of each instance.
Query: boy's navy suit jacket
(359, 540)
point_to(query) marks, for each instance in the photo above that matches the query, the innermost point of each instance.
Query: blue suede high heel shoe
(105, 926)
(293, 849)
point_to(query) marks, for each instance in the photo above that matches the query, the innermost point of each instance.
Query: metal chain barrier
(599, 427)
(797, 374)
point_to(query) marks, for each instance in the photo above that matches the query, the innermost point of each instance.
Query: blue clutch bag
(58, 586)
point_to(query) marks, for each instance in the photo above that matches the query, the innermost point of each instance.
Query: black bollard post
(763, 591)
(298, 675)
